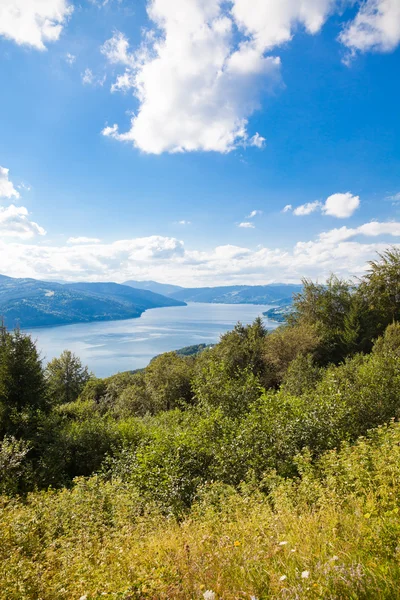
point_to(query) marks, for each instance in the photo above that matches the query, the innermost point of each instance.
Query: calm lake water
(113, 346)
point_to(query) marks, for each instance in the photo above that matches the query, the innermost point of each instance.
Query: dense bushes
(331, 533)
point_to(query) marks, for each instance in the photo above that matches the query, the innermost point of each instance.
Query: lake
(112, 346)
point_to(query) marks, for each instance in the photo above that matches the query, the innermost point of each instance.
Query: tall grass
(334, 533)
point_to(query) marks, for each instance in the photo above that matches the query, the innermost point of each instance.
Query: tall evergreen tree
(22, 385)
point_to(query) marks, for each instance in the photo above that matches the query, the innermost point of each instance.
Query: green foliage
(12, 455)
(302, 375)
(83, 445)
(214, 386)
(23, 397)
(193, 350)
(168, 381)
(241, 349)
(325, 308)
(389, 343)
(380, 291)
(134, 399)
(286, 344)
(66, 378)
(332, 532)
(94, 390)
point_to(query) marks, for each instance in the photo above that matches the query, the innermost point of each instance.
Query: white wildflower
(335, 557)
(282, 543)
(209, 595)
(282, 578)
(305, 574)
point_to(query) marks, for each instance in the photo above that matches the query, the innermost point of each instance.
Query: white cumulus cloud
(7, 189)
(376, 27)
(270, 23)
(253, 214)
(341, 206)
(15, 223)
(371, 229)
(33, 22)
(196, 89)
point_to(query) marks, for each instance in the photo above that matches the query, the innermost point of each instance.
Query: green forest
(266, 466)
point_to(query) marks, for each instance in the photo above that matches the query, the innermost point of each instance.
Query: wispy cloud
(395, 198)
(83, 240)
(253, 214)
(89, 78)
(70, 58)
(307, 209)
(247, 225)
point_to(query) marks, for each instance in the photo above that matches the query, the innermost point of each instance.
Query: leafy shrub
(12, 467)
(286, 344)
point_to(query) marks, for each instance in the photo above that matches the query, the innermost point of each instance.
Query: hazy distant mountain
(35, 303)
(274, 293)
(240, 294)
(160, 288)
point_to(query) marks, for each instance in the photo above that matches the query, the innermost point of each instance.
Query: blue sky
(198, 141)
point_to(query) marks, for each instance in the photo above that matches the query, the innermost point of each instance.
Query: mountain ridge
(35, 303)
(272, 293)
(154, 286)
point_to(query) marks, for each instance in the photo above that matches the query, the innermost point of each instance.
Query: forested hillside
(33, 303)
(267, 466)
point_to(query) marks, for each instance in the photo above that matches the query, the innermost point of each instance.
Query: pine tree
(22, 385)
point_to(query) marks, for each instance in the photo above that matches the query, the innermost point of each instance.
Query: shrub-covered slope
(264, 467)
(331, 533)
